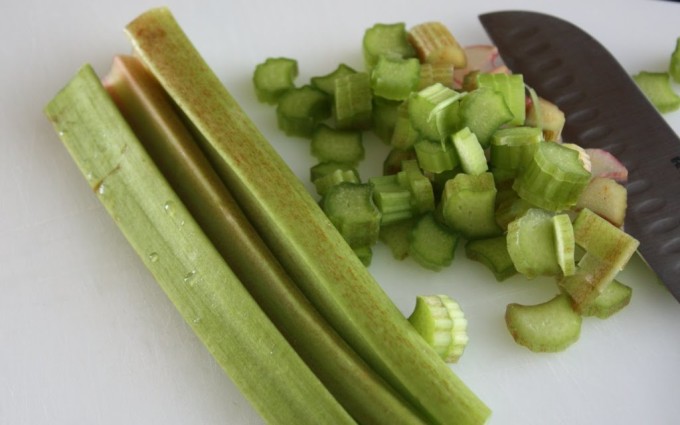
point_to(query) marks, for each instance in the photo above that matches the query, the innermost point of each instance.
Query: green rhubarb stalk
(243, 341)
(296, 230)
(147, 109)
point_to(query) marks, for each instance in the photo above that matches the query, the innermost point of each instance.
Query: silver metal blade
(604, 109)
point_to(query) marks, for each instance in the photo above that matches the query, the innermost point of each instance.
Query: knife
(605, 109)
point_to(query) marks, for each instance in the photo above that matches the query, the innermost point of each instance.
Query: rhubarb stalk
(296, 230)
(212, 300)
(145, 106)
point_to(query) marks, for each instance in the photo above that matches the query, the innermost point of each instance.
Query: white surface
(87, 337)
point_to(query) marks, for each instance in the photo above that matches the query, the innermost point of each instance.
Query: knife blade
(605, 109)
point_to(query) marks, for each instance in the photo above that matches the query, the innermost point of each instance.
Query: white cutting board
(86, 335)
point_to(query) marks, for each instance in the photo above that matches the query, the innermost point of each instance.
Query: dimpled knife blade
(604, 109)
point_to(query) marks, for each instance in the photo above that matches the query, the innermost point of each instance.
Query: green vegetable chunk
(432, 245)
(512, 149)
(493, 253)
(274, 77)
(404, 135)
(548, 327)
(385, 115)
(510, 208)
(614, 298)
(607, 250)
(418, 185)
(441, 322)
(470, 152)
(657, 88)
(364, 254)
(326, 83)
(393, 199)
(468, 205)
(350, 208)
(389, 40)
(674, 65)
(323, 184)
(564, 243)
(436, 157)
(300, 110)
(353, 107)
(531, 244)
(433, 111)
(511, 87)
(324, 168)
(397, 236)
(395, 78)
(484, 111)
(554, 179)
(331, 145)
